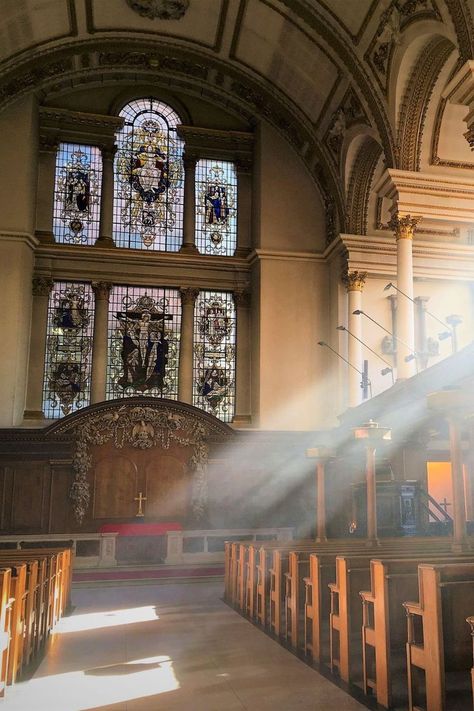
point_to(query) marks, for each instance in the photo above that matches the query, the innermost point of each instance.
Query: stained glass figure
(148, 203)
(77, 194)
(144, 327)
(214, 354)
(216, 207)
(66, 385)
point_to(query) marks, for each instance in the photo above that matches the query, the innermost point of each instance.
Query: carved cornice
(188, 295)
(159, 9)
(416, 101)
(58, 125)
(403, 226)
(354, 281)
(234, 146)
(41, 286)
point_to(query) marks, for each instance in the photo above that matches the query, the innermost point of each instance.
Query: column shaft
(39, 323)
(404, 228)
(105, 238)
(459, 501)
(99, 351)
(320, 502)
(354, 283)
(242, 375)
(185, 377)
(189, 218)
(371, 496)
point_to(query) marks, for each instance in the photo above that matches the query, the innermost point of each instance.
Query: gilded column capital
(242, 298)
(354, 281)
(101, 289)
(188, 295)
(403, 226)
(41, 286)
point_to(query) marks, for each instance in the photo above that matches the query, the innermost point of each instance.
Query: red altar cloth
(140, 529)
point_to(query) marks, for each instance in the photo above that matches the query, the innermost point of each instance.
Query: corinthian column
(242, 356)
(354, 283)
(105, 238)
(185, 378)
(39, 322)
(189, 207)
(101, 291)
(404, 229)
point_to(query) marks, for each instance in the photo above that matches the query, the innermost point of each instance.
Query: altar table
(140, 542)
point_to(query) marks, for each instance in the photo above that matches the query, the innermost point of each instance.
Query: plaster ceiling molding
(462, 19)
(396, 18)
(349, 113)
(413, 110)
(160, 9)
(360, 183)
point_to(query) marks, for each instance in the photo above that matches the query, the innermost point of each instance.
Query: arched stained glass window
(144, 334)
(216, 207)
(214, 354)
(148, 202)
(67, 374)
(77, 188)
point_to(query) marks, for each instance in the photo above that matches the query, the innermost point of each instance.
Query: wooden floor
(173, 647)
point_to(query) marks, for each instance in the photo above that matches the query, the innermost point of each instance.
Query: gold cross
(140, 498)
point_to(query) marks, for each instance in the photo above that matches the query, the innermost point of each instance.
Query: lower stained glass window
(214, 354)
(216, 207)
(144, 334)
(67, 375)
(77, 190)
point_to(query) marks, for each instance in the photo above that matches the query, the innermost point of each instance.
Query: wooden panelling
(167, 488)
(30, 497)
(115, 487)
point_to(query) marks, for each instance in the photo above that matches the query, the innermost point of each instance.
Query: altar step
(146, 575)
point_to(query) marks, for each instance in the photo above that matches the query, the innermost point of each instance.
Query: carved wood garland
(141, 426)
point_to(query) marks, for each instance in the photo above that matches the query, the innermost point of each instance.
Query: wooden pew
(392, 581)
(470, 621)
(5, 587)
(345, 618)
(446, 595)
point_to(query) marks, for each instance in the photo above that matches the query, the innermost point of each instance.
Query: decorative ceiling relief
(396, 18)
(349, 113)
(160, 9)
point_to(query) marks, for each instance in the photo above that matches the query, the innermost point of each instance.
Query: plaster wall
(294, 387)
(290, 209)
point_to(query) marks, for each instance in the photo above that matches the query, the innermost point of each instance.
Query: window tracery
(66, 384)
(77, 189)
(214, 354)
(148, 201)
(144, 334)
(216, 207)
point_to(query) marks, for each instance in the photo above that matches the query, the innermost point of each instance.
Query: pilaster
(242, 414)
(185, 377)
(101, 291)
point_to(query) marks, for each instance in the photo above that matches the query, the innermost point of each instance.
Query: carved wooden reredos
(133, 426)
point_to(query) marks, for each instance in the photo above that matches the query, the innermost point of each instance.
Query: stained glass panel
(76, 214)
(214, 354)
(216, 207)
(148, 201)
(144, 334)
(66, 384)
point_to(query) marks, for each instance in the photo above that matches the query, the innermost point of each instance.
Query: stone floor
(173, 647)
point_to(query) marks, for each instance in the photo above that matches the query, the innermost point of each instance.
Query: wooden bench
(470, 621)
(383, 621)
(437, 636)
(5, 609)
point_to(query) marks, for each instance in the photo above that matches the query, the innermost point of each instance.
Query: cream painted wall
(291, 211)
(18, 173)
(294, 388)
